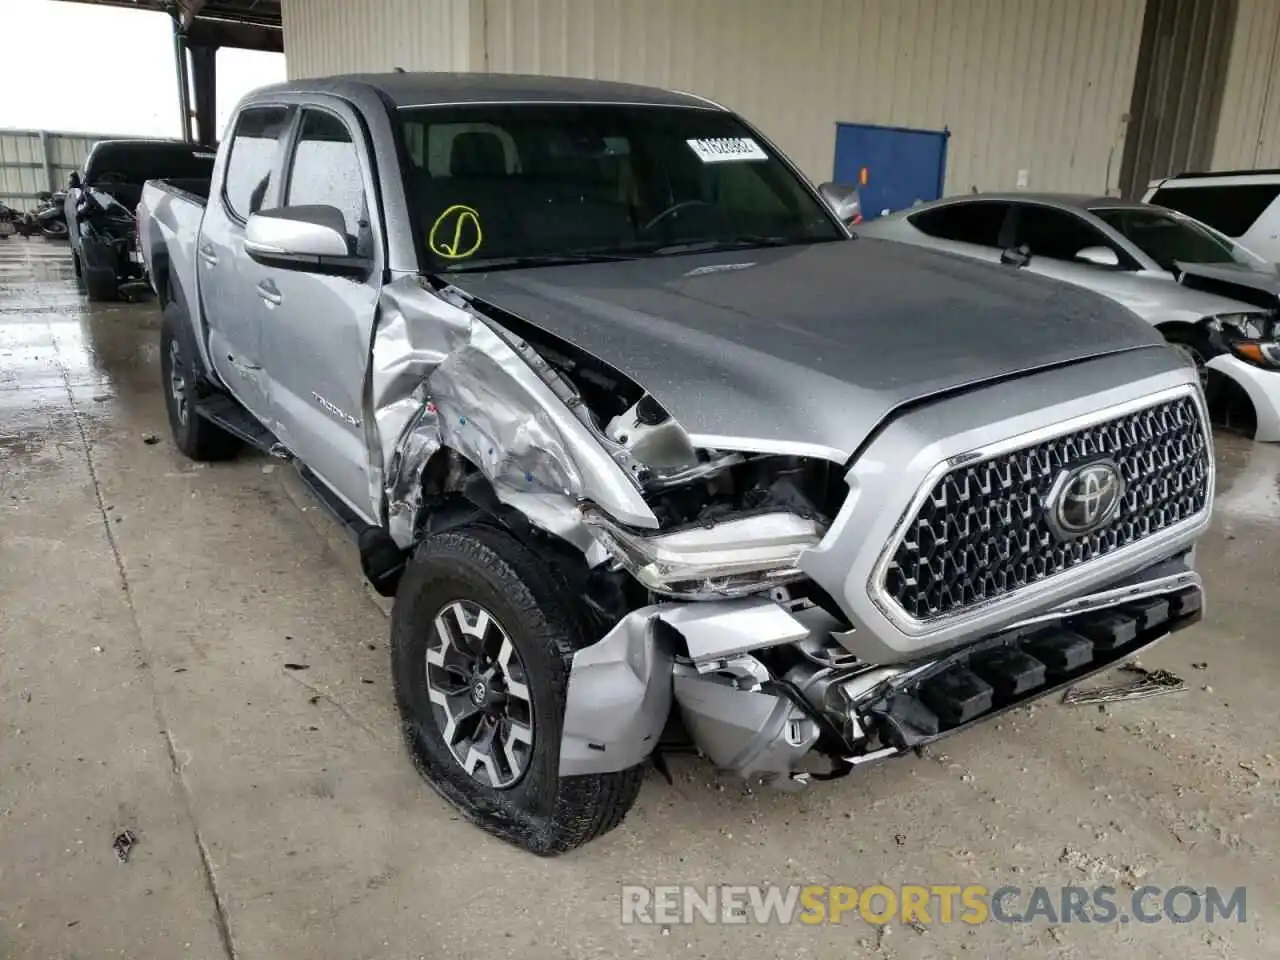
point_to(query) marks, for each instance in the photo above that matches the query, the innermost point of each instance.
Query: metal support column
(184, 88)
(204, 77)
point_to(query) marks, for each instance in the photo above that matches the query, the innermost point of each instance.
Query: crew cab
(652, 453)
(101, 199)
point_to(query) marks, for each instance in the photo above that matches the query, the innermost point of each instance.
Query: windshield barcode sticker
(722, 149)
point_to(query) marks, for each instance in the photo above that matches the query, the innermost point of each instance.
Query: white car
(1241, 204)
(1213, 299)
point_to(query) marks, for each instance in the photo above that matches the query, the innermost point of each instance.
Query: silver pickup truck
(655, 455)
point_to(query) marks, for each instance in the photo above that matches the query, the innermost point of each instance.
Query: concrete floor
(148, 607)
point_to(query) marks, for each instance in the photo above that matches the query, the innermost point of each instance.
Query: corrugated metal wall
(342, 36)
(1035, 85)
(1249, 128)
(25, 170)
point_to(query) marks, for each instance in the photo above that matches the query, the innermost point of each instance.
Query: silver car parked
(1210, 297)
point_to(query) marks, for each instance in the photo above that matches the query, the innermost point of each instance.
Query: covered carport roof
(200, 27)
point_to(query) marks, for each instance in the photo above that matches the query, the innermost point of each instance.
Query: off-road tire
(196, 437)
(543, 812)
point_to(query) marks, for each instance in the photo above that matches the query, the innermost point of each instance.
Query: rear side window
(1228, 209)
(255, 147)
(977, 222)
(326, 169)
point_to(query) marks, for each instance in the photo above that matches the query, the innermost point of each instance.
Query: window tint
(1168, 238)
(326, 169)
(254, 148)
(1228, 209)
(1056, 233)
(977, 222)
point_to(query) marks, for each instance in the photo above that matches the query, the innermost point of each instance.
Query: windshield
(1167, 237)
(494, 185)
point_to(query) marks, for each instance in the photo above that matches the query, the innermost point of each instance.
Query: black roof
(431, 89)
(1193, 175)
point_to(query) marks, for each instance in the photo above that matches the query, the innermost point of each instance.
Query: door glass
(976, 222)
(1058, 234)
(326, 170)
(255, 148)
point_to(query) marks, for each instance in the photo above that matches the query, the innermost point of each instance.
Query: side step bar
(1011, 670)
(381, 560)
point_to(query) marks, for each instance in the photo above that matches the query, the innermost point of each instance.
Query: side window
(976, 222)
(326, 169)
(255, 146)
(1228, 209)
(1057, 234)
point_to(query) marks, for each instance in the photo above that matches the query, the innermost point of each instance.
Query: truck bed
(194, 189)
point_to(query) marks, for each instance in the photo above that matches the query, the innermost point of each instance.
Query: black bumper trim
(1021, 667)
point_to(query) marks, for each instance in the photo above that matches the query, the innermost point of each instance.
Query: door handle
(268, 292)
(208, 256)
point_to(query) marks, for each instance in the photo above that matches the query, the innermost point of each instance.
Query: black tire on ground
(542, 812)
(196, 437)
(100, 285)
(75, 264)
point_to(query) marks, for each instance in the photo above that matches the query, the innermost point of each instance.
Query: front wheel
(482, 639)
(1195, 351)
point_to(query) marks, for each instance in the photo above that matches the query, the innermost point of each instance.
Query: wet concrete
(148, 605)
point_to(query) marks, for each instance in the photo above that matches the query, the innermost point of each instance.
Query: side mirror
(311, 239)
(1100, 256)
(844, 202)
(1018, 256)
(73, 181)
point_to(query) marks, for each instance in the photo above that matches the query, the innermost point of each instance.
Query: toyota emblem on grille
(1084, 498)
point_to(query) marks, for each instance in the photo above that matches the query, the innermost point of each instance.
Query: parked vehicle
(650, 453)
(102, 198)
(1210, 297)
(48, 218)
(1242, 204)
(10, 221)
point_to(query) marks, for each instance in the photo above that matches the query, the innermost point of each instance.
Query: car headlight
(732, 557)
(1253, 337)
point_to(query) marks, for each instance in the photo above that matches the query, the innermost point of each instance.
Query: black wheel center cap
(486, 692)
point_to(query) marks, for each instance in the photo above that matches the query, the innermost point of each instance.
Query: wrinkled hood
(1234, 274)
(813, 345)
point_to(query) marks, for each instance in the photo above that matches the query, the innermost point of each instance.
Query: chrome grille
(983, 532)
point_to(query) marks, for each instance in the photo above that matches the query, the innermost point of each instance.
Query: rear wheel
(482, 639)
(195, 436)
(100, 285)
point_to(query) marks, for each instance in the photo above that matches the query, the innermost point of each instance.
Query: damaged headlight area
(1252, 337)
(731, 558)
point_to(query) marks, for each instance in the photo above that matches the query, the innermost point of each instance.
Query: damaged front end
(692, 561)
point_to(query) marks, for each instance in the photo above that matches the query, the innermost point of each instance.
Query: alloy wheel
(479, 693)
(178, 382)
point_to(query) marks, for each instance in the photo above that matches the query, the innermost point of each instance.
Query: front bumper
(1261, 386)
(757, 686)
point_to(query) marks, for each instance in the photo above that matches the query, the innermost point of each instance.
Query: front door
(317, 329)
(230, 282)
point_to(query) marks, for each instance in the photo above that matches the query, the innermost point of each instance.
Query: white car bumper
(1263, 388)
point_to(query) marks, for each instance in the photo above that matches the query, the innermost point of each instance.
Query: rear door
(231, 284)
(317, 329)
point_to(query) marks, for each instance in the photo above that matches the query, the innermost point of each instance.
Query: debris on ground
(97, 649)
(123, 844)
(1144, 683)
(1200, 665)
(25, 696)
(150, 439)
(297, 666)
